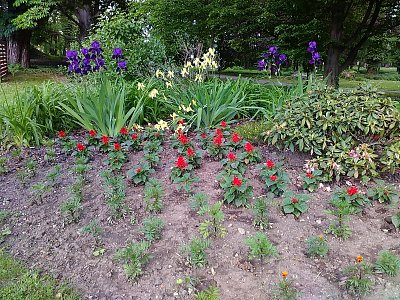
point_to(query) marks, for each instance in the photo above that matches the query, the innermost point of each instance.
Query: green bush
(345, 129)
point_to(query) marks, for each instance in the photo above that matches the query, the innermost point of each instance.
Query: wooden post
(3, 60)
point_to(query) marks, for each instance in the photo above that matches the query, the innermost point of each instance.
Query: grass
(20, 283)
(10, 86)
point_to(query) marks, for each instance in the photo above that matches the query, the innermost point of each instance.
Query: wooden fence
(3, 60)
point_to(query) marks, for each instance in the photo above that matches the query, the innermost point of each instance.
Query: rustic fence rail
(3, 60)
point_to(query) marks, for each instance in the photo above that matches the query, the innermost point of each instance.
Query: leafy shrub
(391, 158)
(317, 246)
(388, 263)
(260, 246)
(152, 228)
(195, 252)
(260, 213)
(383, 192)
(344, 129)
(134, 256)
(210, 293)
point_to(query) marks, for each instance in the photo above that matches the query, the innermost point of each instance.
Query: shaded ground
(41, 239)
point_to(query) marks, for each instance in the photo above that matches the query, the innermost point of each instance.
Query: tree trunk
(84, 17)
(18, 48)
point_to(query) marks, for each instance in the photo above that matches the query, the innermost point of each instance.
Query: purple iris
(117, 53)
(85, 51)
(261, 65)
(71, 54)
(273, 50)
(121, 65)
(315, 56)
(282, 58)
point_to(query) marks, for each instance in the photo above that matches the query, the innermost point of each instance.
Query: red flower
(231, 156)
(218, 140)
(223, 124)
(80, 147)
(134, 136)
(92, 133)
(190, 152)
(181, 163)
(138, 170)
(180, 122)
(218, 131)
(157, 134)
(105, 139)
(273, 177)
(179, 131)
(183, 139)
(270, 164)
(117, 147)
(203, 135)
(352, 191)
(61, 134)
(235, 138)
(294, 200)
(248, 147)
(309, 175)
(123, 131)
(236, 181)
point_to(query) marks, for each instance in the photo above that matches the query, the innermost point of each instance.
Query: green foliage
(4, 214)
(383, 192)
(396, 220)
(358, 278)
(341, 210)
(338, 127)
(101, 106)
(388, 263)
(275, 178)
(391, 158)
(3, 165)
(317, 246)
(153, 195)
(352, 196)
(252, 131)
(312, 179)
(93, 229)
(140, 174)
(260, 246)
(115, 194)
(260, 213)
(294, 204)
(134, 256)
(199, 203)
(53, 175)
(286, 290)
(195, 252)
(116, 159)
(71, 209)
(38, 192)
(212, 226)
(210, 293)
(152, 228)
(237, 194)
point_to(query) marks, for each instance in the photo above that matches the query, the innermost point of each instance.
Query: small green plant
(3, 165)
(237, 190)
(93, 229)
(388, 263)
(194, 158)
(39, 192)
(23, 175)
(312, 179)
(4, 214)
(260, 213)
(71, 209)
(358, 281)
(396, 220)
(134, 256)
(391, 158)
(286, 290)
(294, 204)
(152, 146)
(195, 252)
(140, 174)
(213, 225)
(77, 187)
(116, 158)
(53, 175)
(233, 162)
(31, 166)
(275, 178)
(260, 246)
(152, 228)
(383, 193)
(317, 246)
(115, 194)
(250, 154)
(210, 293)
(153, 196)
(198, 203)
(342, 209)
(135, 142)
(181, 176)
(153, 159)
(50, 152)
(352, 196)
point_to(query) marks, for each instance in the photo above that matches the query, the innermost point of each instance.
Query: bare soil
(42, 239)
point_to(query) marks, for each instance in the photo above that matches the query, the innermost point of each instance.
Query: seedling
(317, 246)
(3, 165)
(359, 280)
(198, 203)
(153, 196)
(71, 209)
(53, 175)
(212, 226)
(93, 229)
(388, 263)
(152, 228)
(140, 173)
(195, 252)
(260, 246)
(260, 213)
(115, 194)
(38, 192)
(210, 293)
(286, 290)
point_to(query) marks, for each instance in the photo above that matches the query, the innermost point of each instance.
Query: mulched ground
(42, 240)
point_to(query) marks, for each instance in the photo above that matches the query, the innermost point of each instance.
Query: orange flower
(359, 258)
(285, 274)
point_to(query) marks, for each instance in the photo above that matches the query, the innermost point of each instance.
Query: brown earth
(42, 240)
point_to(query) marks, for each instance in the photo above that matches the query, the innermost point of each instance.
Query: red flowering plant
(117, 157)
(352, 196)
(383, 192)
(194, 157)
(67, 145)
(294, 204)
(181, 142)
(93, 137)
(104, 143)
(180, 174)
(233, 162)
(275, 178)
(217, 147)
(153, 134)
(139, 174)
(236, 190)
(123, 134)
(134, 141)
(205, 138)
(311, 179)
(235, 141)
(81, 152)
(250, 154)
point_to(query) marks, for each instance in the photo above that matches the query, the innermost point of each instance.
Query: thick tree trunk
(84, 16)
(18, 48)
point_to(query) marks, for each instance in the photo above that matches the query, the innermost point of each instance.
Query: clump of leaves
(341, 210)
(212, 226)
(71, 209)
(286, 290)
(312, 179)
(153, 195)
(294, 204)
(250, 154)
(53, 175)
(50, 152)
(115, 194)
(93, 229)
(199, 203)
(383, 193)
(275, 178)
(260, 246)
(140, 173)
(116, 158)
(195, 252)
(3, 165)
(152, 228)
(388, 263)
(237, 190)
(359, 280)
(352, 196)
(39, 192)
(134, 256)
(260, 213)
(180, 174)
(151, 158)
(210, 293)
(391, 158)
(317, 246)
